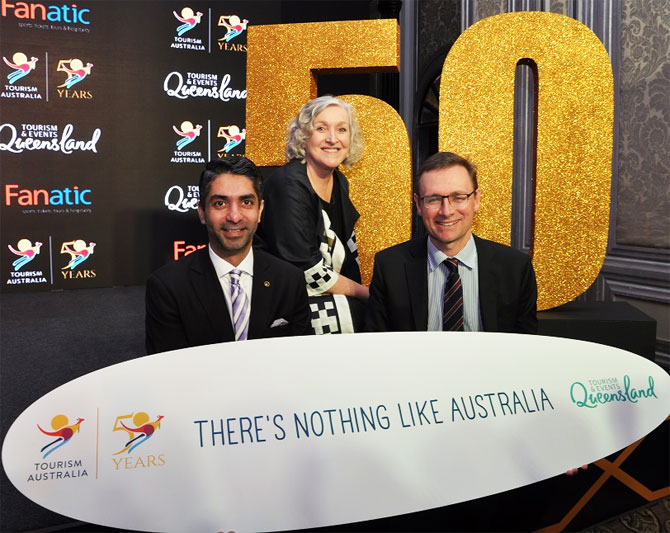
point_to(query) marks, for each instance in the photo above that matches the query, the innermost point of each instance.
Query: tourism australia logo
(23, 82)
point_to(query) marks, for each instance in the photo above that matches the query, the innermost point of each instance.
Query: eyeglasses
(434, 201)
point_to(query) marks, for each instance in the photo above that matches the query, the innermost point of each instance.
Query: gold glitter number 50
(574, 139)
(574, 129)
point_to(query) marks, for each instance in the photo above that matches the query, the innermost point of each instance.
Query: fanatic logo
(53, 13)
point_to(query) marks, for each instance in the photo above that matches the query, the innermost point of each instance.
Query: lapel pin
(266, 283)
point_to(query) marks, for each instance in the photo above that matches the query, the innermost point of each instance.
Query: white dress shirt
(223, 269)
(438, 273)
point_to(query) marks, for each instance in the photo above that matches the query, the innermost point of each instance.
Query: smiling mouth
(447, 224)
(234, 231)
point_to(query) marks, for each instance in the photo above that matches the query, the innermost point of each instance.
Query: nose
(331, 137)
(233, 214)
(446, 208)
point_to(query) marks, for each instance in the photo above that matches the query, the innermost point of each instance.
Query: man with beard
(227, 291)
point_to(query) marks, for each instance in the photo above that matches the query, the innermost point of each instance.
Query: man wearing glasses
(453, 280)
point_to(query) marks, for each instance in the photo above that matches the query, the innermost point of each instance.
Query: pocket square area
(279, 322)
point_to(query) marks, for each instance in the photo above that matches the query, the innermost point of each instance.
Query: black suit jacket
(185, 305)
(399, 288)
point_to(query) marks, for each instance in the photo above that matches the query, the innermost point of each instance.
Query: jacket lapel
(261, 296)
(417, 283)
(487, 290)
(208, 290)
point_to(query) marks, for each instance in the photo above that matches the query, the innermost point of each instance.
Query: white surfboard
(294, 433)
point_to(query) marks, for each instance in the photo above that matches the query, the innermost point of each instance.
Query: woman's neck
(321, 181)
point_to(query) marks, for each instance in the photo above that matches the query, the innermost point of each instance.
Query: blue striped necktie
(452, 313)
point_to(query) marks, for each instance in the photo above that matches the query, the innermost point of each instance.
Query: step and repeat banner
(108, 110)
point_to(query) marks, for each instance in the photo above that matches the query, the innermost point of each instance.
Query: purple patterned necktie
(240, 306)
(452, 314)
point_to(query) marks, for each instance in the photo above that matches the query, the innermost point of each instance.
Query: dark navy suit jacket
(399, 288)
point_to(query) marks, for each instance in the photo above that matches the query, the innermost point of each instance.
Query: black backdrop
(112, 188)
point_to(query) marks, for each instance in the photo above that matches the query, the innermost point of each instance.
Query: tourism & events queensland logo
(21, 77)
(600, 391)
(234, 27)
(25, 252)
(233, 138)
(187, 20)
(137, 428)
(45, 16)
(201, 85)
(52, 137)
(76, 72)
(79, 253)
(180, 200)
(65, 431)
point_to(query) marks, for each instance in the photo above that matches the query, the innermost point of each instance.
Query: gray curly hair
(301, 127)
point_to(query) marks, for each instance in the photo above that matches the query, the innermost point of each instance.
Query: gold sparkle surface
(574, 139)
(283, 61)
(381, 182)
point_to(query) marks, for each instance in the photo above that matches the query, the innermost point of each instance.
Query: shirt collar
(223, 267)
(467, 256)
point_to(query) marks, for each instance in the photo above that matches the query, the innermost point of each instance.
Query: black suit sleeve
(163, 323)
(301, 323)
(289, 223)
(377, 313)
(526, 321)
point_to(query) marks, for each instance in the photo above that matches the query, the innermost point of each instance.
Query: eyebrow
(215, 197)
(342, 123)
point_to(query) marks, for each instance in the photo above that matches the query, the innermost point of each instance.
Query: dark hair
(442, 160)
(238, 165)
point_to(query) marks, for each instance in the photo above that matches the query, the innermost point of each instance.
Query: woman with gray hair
(309, 219)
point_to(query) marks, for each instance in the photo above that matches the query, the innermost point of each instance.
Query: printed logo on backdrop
(187, 20)
(25, 252)
(62, 468)
(79, 252)
(40, 16)
(187, 133)
(202, 85)
(75, 72)
(233, 138)
(71, 200)
(234, 28)
(182, 249)
(182, 200)
(137, 429)
(601, 391)
(46, 137)
(21, 77)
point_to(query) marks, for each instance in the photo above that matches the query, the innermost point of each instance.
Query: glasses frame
(447, 196)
